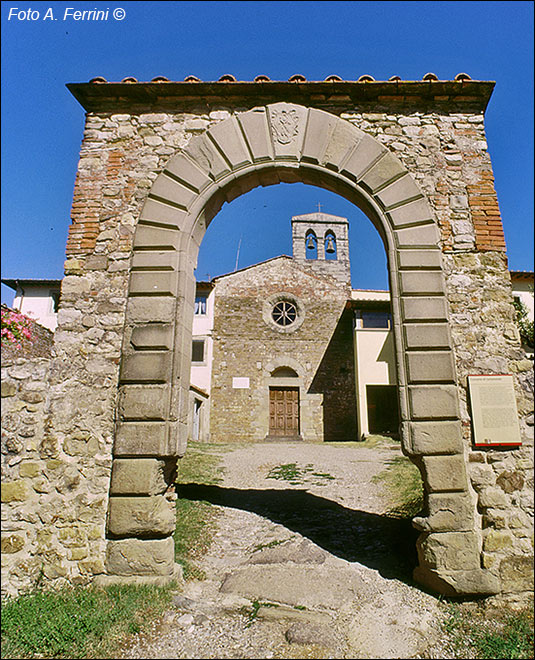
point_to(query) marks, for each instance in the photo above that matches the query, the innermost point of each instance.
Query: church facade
(281, 358)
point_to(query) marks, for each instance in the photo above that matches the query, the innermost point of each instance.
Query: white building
(36, 298)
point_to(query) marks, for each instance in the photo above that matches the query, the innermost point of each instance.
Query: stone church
(274, 347)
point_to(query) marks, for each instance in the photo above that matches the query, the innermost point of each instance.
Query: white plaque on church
(494, 411)
(240, 383)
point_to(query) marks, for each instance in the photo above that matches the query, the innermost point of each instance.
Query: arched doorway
(289, 143)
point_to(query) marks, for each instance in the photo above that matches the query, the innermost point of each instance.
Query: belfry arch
(285, 142)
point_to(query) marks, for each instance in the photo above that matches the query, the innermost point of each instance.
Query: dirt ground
(305, 563)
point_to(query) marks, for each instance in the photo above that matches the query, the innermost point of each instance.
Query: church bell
(311, 243)
(329, 246)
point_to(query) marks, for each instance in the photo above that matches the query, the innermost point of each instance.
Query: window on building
(54, 295)
(197, 350)
(200, 304)
(375, 319)
(284, 313)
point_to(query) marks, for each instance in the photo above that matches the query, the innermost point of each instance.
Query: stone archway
(285, 142)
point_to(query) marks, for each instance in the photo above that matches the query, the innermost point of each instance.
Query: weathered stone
(492, 497)
(509, 481)
(141, 516)
(497, 540)
(140, 557)
(449, 551)
(140, 476)
(12, 543)
(434, 401)
(9, 388)
(15, 491)
(427, 438)
(447, 512)
(29, 469)
(516, 573)
(444, 473)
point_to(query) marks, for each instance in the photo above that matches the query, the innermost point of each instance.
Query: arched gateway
(158, 162)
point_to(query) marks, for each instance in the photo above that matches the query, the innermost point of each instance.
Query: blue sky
(42, 122)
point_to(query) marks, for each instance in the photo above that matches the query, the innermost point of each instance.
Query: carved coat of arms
(285, 125)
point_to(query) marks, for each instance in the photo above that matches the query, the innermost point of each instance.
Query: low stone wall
(54, 498)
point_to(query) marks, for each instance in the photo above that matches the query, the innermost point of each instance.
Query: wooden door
(284, 411)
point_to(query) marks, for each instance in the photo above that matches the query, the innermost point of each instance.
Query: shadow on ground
(378, 541)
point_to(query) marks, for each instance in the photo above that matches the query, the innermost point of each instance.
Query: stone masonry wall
(248, 344)
(56, 485)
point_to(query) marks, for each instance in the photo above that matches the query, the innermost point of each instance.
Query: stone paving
(307, 568)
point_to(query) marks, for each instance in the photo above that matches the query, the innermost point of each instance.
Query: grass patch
(489, 635)
(78, 622)
(196, 521)
(296, 475)
(404, 487)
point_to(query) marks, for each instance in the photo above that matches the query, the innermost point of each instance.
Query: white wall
(36, 302)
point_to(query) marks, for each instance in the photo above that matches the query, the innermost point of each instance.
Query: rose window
(284, 313)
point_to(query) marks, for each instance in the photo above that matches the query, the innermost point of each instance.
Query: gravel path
(304, 564)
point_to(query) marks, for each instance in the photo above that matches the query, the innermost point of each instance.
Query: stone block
(427, 335)
(183, 169)
(412, 213)
(12, 543)
(449, 512)
(205, 155)
(9, 388)
(474, 582)
(449, 551)
(156, 211)
(140, 476)
(254, 125)
(434, 401)
(15, 491)
(481, 475)
(516, 574)
(402, 190)
(230, 141)
(156, 238)
(359, 160)
(156, 260)
(497, 539)
(163, 283)
(493, 497)
(342, 142)
(141, 516)
(155, 336)
(140, 557)
(421, 282)
(425, 259)
(420, 308)
(444, 473)
(319, 128)
(146, 366)
(143, 402)
(429, 438)
(430, 366)
(385, 170)
(426, 236)
(146, 309)
(142, 439)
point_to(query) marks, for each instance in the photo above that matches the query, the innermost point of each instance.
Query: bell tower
(321, 241)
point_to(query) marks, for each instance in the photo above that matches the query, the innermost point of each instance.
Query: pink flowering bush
(16, 328)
